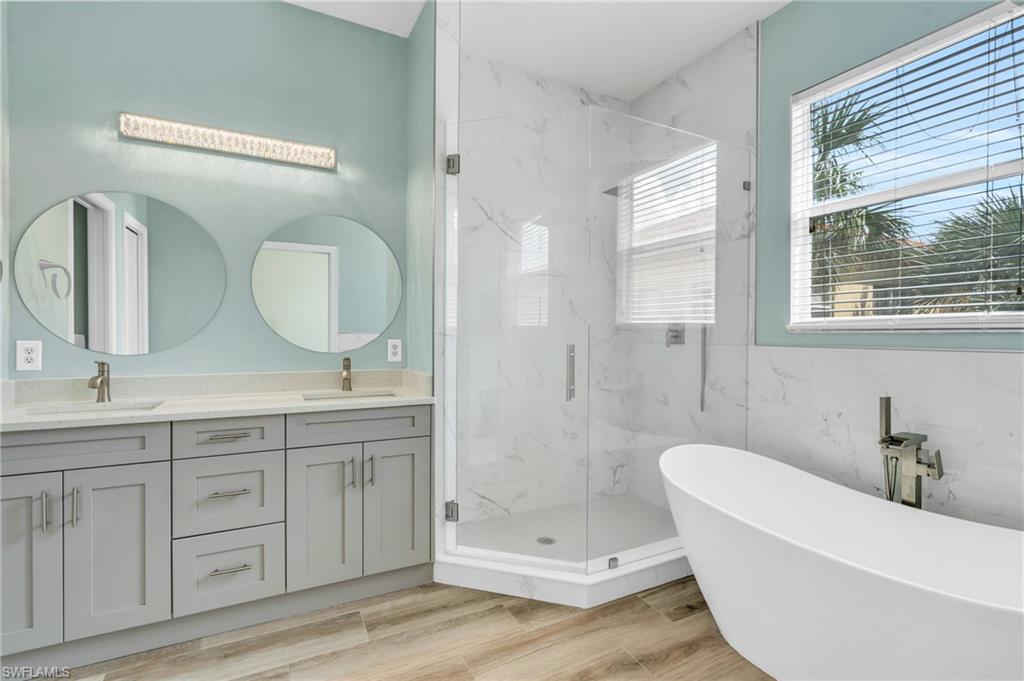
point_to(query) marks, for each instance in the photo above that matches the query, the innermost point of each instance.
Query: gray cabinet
(30, 514)
(324, 515)
(39, 451)
(396, 504)
(217, 570)
(94, 542)
(117, 548)
(357, 425)
(357, 509)
(209, 437)
(227, 492)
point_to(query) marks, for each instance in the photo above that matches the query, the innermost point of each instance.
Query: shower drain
(545, 540)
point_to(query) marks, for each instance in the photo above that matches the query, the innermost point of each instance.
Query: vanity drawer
(227, 436)
(217, 570)
(38, 451)
(357, 425)
(227, 492)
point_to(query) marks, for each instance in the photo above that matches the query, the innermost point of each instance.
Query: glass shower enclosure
(597, 271)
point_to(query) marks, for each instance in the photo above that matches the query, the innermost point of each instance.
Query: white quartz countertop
(79, 414)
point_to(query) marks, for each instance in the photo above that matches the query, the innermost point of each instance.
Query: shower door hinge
(451, 511)
(747, 185)
(453, 163)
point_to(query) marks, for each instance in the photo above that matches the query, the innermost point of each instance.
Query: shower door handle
(570, 372)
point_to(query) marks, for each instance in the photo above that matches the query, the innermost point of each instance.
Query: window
(532, 290)
(666, 242)
(907, 179)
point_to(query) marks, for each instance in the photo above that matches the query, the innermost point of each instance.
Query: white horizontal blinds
(532, 284)
(907, 189)
(666, 242)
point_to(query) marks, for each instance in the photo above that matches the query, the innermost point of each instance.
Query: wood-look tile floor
(447, 633)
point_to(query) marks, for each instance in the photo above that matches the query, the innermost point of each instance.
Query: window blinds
(666, 242)
(907, 187)
(532, 284)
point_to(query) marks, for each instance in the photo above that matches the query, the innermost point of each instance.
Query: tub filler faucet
(903, 459)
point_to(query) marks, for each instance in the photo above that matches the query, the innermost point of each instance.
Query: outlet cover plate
(394, 349)
(29, 355)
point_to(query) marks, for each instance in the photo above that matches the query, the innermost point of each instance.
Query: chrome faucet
(904, 459)
(346, 373)
(101, 382)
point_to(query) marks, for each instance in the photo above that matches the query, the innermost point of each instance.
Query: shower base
(617, 524)
(542, 554)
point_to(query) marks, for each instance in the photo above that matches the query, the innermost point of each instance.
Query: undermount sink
(91, 407)
(342, 394)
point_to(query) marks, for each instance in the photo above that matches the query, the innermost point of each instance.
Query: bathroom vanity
(146, 516)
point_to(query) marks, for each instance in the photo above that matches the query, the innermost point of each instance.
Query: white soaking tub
(811, 580)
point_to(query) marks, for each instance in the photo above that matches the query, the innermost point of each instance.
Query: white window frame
(803, 209)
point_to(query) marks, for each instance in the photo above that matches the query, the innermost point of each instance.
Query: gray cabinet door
(117, 548)
(324, 514)
(396, 504)
(30, 530)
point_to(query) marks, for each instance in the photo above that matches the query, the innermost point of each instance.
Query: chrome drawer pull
(44, 498)
(231, 571)
(352, 462)
(219, 437)
(230, 493)
(74, 507)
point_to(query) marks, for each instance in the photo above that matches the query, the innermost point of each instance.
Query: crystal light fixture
(226, 141)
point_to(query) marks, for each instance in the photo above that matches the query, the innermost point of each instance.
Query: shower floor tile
(617, 523)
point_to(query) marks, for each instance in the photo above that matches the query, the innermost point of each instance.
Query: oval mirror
(119, 273)
(326, 283)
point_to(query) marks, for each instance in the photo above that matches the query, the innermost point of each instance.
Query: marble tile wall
(521, 447)
(715, 97)
(526, 142)
(817, 409)
(522, 263)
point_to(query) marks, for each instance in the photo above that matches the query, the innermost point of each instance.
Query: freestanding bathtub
(811, 580)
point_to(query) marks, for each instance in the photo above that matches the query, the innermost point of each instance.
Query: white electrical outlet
(29, 356)
(394, 349)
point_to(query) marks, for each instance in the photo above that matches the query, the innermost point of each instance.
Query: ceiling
(391, 16)
(618, 48)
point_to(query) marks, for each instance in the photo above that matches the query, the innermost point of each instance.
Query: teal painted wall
(420, 199)
(264, 67)
(803, 44)
(186, 275)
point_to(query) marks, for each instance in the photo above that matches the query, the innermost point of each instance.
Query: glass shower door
(669, 223)
(519, 253)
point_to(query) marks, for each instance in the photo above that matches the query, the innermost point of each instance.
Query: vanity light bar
(227, 141)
